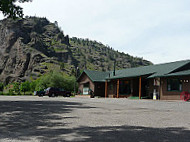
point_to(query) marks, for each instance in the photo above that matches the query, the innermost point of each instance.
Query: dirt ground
(38, 119)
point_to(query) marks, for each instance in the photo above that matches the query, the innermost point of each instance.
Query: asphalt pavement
(44, 119)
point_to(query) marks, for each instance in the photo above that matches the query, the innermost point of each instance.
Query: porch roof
(181, 73)
(158, 70)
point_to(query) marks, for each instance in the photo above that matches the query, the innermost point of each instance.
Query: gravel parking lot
(35, 118)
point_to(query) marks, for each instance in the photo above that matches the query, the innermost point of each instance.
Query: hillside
(33, 46)
(96, 56)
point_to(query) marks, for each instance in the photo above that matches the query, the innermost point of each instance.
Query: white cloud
(155, 30)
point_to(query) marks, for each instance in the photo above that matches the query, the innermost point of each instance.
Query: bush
(25, 86)
(55, 79)
(11, 92)
(51, 79)
(33, 85)
(16, 88)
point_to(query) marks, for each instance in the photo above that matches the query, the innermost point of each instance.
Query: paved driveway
(82, 119)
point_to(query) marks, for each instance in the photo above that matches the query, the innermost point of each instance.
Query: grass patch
(136, 98)
(133, 98)
(15, 94)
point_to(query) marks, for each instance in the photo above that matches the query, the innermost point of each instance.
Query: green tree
(67, 40)
(16, 87)
(55, 79)
(62, 66)
(11, 92)
(69, 83)
(33, 85)
(25, 86)
(10, 9)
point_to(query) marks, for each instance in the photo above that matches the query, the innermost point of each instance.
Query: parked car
(54, 92)
(39, 93)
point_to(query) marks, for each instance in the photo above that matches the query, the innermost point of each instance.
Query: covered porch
(140, 87)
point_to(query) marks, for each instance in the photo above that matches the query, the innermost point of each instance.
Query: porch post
(118, 88)
(140, 80)
(160, 94)
(106, 89)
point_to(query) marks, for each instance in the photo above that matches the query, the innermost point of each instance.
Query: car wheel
(53, 95)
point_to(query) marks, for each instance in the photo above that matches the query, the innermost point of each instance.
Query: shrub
(25, 86)
(11, 92)
(55, 79)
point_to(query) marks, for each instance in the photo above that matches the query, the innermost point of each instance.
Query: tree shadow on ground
(23, 119)
(132, 134)
(45, 121)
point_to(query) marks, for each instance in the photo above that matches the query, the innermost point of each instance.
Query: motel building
(162, 81)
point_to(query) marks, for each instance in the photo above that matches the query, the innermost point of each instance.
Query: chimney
(114, 68)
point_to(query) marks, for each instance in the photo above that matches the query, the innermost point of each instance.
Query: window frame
(179, 83)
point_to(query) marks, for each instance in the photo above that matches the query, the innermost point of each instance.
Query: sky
(157, 30)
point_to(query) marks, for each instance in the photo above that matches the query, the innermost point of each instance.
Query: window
(174, 85)
(124, 87)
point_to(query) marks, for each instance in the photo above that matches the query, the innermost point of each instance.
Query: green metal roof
(181, 73)
(158, 70)
(96, 76)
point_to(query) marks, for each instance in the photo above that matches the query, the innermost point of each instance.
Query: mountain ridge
(33, 46)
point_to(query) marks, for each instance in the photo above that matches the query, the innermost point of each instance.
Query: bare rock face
(22, 47)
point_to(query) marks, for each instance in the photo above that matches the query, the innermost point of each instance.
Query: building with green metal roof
(152, 70)
(92, 83)
(96, 76)
(166, 80)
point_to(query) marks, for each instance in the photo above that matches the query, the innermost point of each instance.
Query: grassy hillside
(96, 56)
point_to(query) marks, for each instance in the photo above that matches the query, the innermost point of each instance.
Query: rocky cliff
(33, 46)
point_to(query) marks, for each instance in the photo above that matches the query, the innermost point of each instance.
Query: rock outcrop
(33, 46)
